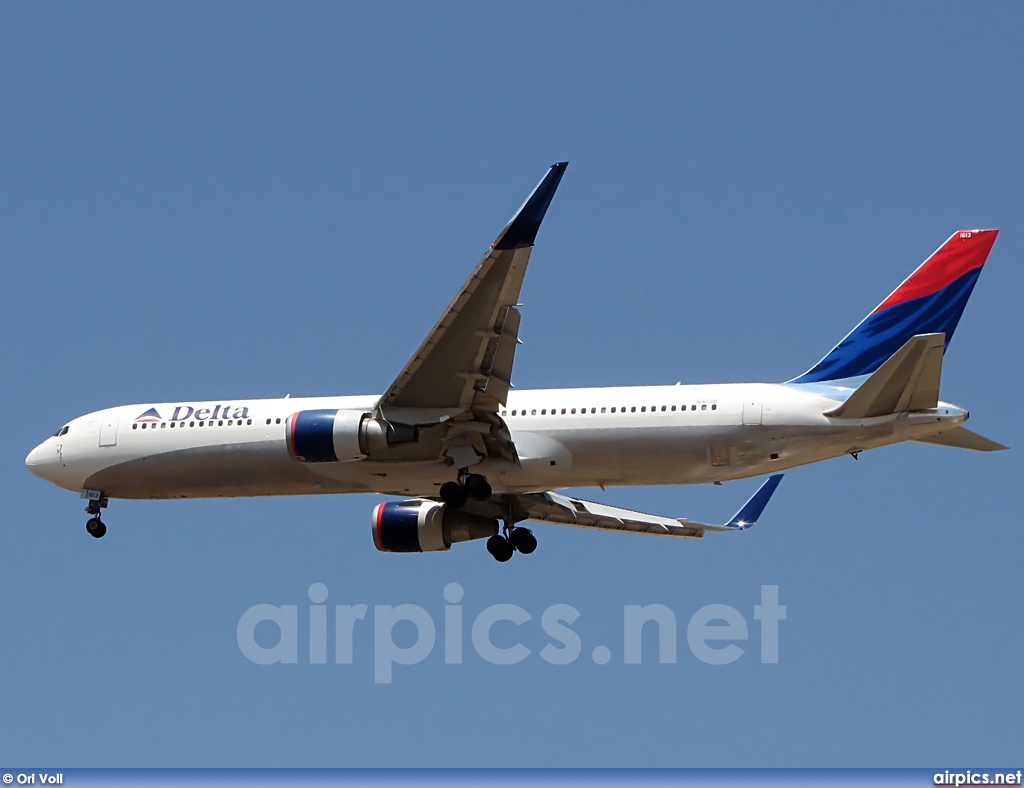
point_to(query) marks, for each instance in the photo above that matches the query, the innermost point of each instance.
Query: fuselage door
(108, 429)
(752, 411)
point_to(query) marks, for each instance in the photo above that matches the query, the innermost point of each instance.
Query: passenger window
(703, 407)
(693, 407)
(513, 413)
(533, 412)
(200, 424)
(714, 407)
(544, 412)
(249, 421)
(613, 410)
(503, 413)
(563, 411)
(191, 424)
(163, 424)
(278, 421)
(134, 427)
(574, 410)
(633, 409)
(673, 408)
(220, 423)
(643, 409)
(602, 410)
(662, 408)
(593, 410)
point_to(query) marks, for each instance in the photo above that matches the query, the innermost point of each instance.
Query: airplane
(475, 458)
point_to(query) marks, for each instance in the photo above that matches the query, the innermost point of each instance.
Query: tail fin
(930, 301)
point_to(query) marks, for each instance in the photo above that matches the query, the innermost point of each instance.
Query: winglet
(752, 509)
(522, 230)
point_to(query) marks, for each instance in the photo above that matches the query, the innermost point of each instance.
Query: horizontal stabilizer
(908, 381)
(963, 438)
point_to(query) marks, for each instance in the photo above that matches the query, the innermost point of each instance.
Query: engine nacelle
(423, 526)
(342, 435)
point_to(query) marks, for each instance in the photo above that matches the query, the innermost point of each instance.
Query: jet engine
(423, 526)
(342, 435)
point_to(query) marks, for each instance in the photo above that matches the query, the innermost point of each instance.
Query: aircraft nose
(39, 459)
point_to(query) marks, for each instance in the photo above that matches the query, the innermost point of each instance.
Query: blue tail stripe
(881, 334)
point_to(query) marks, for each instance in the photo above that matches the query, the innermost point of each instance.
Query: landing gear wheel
(499, 547)
(96, 528)
(453, 494)
(523, 540)
(477, 487)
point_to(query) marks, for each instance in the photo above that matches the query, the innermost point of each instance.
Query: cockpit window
(62, 431)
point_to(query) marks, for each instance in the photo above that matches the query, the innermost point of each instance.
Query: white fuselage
(564, 438)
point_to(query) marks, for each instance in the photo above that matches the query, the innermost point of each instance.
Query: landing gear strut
(469, 485)
(97, 501)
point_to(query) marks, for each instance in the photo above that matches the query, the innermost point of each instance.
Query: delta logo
(182, 412)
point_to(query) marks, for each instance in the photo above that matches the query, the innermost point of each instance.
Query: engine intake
(425, 526)
(342, 435)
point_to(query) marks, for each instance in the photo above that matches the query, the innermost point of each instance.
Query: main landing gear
(515, 539)
(469, 485)
(475, 486)
(97, 501)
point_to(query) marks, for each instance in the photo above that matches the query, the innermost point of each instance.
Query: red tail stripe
(963, 252)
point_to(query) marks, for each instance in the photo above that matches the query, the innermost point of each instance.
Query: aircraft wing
(461, 374)
(552, 507)
(465, 363)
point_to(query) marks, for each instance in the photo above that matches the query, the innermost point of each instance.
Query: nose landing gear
(97, 501)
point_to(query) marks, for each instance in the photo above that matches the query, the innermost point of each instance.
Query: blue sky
(234, 200)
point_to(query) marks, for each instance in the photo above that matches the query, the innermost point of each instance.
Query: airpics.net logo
(714, 633)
